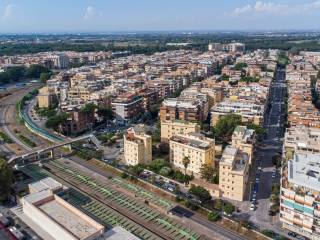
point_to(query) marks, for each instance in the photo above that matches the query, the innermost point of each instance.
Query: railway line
(110, 202)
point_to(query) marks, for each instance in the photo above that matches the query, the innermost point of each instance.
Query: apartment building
(190, 106)
(194, 146)
(60, 60)
(300, 195)
(233, 173)
(79, 92)
(250, 112)
(149, 98)
(244, 140)
(302, 138)
(46, 97)
(170, 128)
(78, 121)
(137, 146)
(231, 47)
(127, 108)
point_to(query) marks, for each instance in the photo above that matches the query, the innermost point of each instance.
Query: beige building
(46, 97)
(199, 150)
(233, 173)
(175, 127)
(137, 146)
(250, 112)
(54, 218)
(244, 139)
(79, 93)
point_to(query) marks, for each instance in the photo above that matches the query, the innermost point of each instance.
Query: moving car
(252, 207)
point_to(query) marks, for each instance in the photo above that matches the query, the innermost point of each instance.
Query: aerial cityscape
(156, 120)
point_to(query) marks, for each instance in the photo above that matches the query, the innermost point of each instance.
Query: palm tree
(185, 162)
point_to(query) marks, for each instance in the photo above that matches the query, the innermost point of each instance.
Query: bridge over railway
(48, 152)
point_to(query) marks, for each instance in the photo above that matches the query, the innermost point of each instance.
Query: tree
(228, 208)
(165, 171)
(249, 79)
(276, 160)
(225, 126)
(55, 121)
(218, 204)
(5, 180)
(258, 129)
(207, 172)
(193, 206)
(88, 108)
(137, 169)
(154, 110)
(225, 77)
(200, 192)
(44, 77)
(35, 70)
(156, 136)
(185, 162)
(239, 66)
(157, 164)
(213, 216)
(216, 178)
(106, 113)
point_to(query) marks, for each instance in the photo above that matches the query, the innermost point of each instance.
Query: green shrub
(213, 216)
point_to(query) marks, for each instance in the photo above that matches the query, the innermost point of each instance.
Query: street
(271, 145)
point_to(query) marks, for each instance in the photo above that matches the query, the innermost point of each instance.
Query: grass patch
(27, 141)
(4, 137)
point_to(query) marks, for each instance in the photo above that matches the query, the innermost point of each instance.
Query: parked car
(292, 234)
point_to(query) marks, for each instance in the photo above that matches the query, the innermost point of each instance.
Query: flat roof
(304, 170)
(119, 233)
(68, 219)
(45, 184)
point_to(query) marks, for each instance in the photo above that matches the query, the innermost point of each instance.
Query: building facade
(233, 173)
(175, 127)
(194, 146)
(127, 108)
(244, 139)
(137, 146)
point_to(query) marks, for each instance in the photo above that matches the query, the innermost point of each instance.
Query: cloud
(261, 7)
(241, 10)
(89, 13)
(8, 11)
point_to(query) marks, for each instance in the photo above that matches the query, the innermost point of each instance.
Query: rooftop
(45, 184)
(62, 213)
(193, 140)
(68, 219)
(119, 233)
(304, 170)
(232, 156)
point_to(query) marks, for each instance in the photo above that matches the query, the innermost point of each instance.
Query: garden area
(161, 167)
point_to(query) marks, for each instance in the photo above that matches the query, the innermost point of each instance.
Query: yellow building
(244, 139)
(79, 93)
(194, 146)
(175, 127)
(137, 146)
(233, 173)
(46, 97)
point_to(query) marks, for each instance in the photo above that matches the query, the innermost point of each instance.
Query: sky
(59, 16)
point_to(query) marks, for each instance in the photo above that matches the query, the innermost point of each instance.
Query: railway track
(156, 223)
